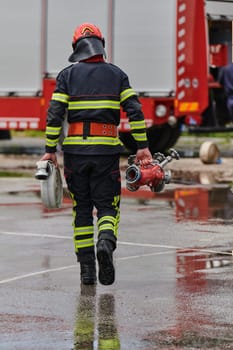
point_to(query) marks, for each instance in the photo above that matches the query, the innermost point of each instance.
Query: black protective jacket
(93, 92)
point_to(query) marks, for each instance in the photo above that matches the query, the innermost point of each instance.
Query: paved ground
(173, 286)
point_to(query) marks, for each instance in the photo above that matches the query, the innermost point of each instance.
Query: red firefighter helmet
(87, 42)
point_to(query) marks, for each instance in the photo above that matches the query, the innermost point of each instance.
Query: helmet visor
(87, 48)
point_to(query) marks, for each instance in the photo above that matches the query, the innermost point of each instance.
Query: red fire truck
(169, 49)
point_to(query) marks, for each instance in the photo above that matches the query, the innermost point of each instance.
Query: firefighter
(92, 91)
(226, 80)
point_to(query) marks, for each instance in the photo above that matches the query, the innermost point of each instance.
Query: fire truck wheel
(160, 138)
(174, 135)
(5, 135)
(128, 142)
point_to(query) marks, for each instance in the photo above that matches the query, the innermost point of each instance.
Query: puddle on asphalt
(204, 204)
(197, 261)
(95, 319)
(213, 204)
(195, 326)
(96, 325)
(190, 203)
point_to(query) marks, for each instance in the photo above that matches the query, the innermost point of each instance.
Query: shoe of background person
(105, 260)
(88, 273)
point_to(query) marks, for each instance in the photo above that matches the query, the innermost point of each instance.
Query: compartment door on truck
(20, 39)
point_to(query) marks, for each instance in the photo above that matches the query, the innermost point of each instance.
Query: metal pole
(110, 33)
(43, 42)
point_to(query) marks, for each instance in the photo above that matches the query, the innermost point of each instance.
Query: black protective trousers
(94, 183)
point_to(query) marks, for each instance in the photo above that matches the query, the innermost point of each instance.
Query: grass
(28, 133)
(208, 134)
(13, 174)
(224, 138)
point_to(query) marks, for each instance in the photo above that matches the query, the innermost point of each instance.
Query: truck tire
(160, 138)
(175, 133)
(5, 135)
(128, 142)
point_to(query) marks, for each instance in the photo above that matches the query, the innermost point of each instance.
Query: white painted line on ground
(149, 245)
(67, 237)
(34, 235)
(37, 273)
(32, 274)
(145, 255)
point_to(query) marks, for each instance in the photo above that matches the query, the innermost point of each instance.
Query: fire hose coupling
(43, 169)
(152, 175)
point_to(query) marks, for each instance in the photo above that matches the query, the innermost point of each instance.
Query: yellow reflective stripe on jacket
(126, 94)
(139, 137)
(94, 104)
(92, 140)
(51, 142)
(57, 96)
(137, 125)
(53, 130)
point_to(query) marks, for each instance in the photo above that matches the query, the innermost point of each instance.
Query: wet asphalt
(173, 287)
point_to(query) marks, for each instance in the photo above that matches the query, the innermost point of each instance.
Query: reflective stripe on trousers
(94, 182)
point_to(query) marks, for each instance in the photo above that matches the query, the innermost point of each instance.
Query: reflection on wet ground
(165, 297)
(212, 204)
(95, 315)
(197, 322)
(195, 325)
(196, 260)
(204, 203)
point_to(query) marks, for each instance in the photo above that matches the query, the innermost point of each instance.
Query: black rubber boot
(106, 268)
(88, 273)
(87, 268)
